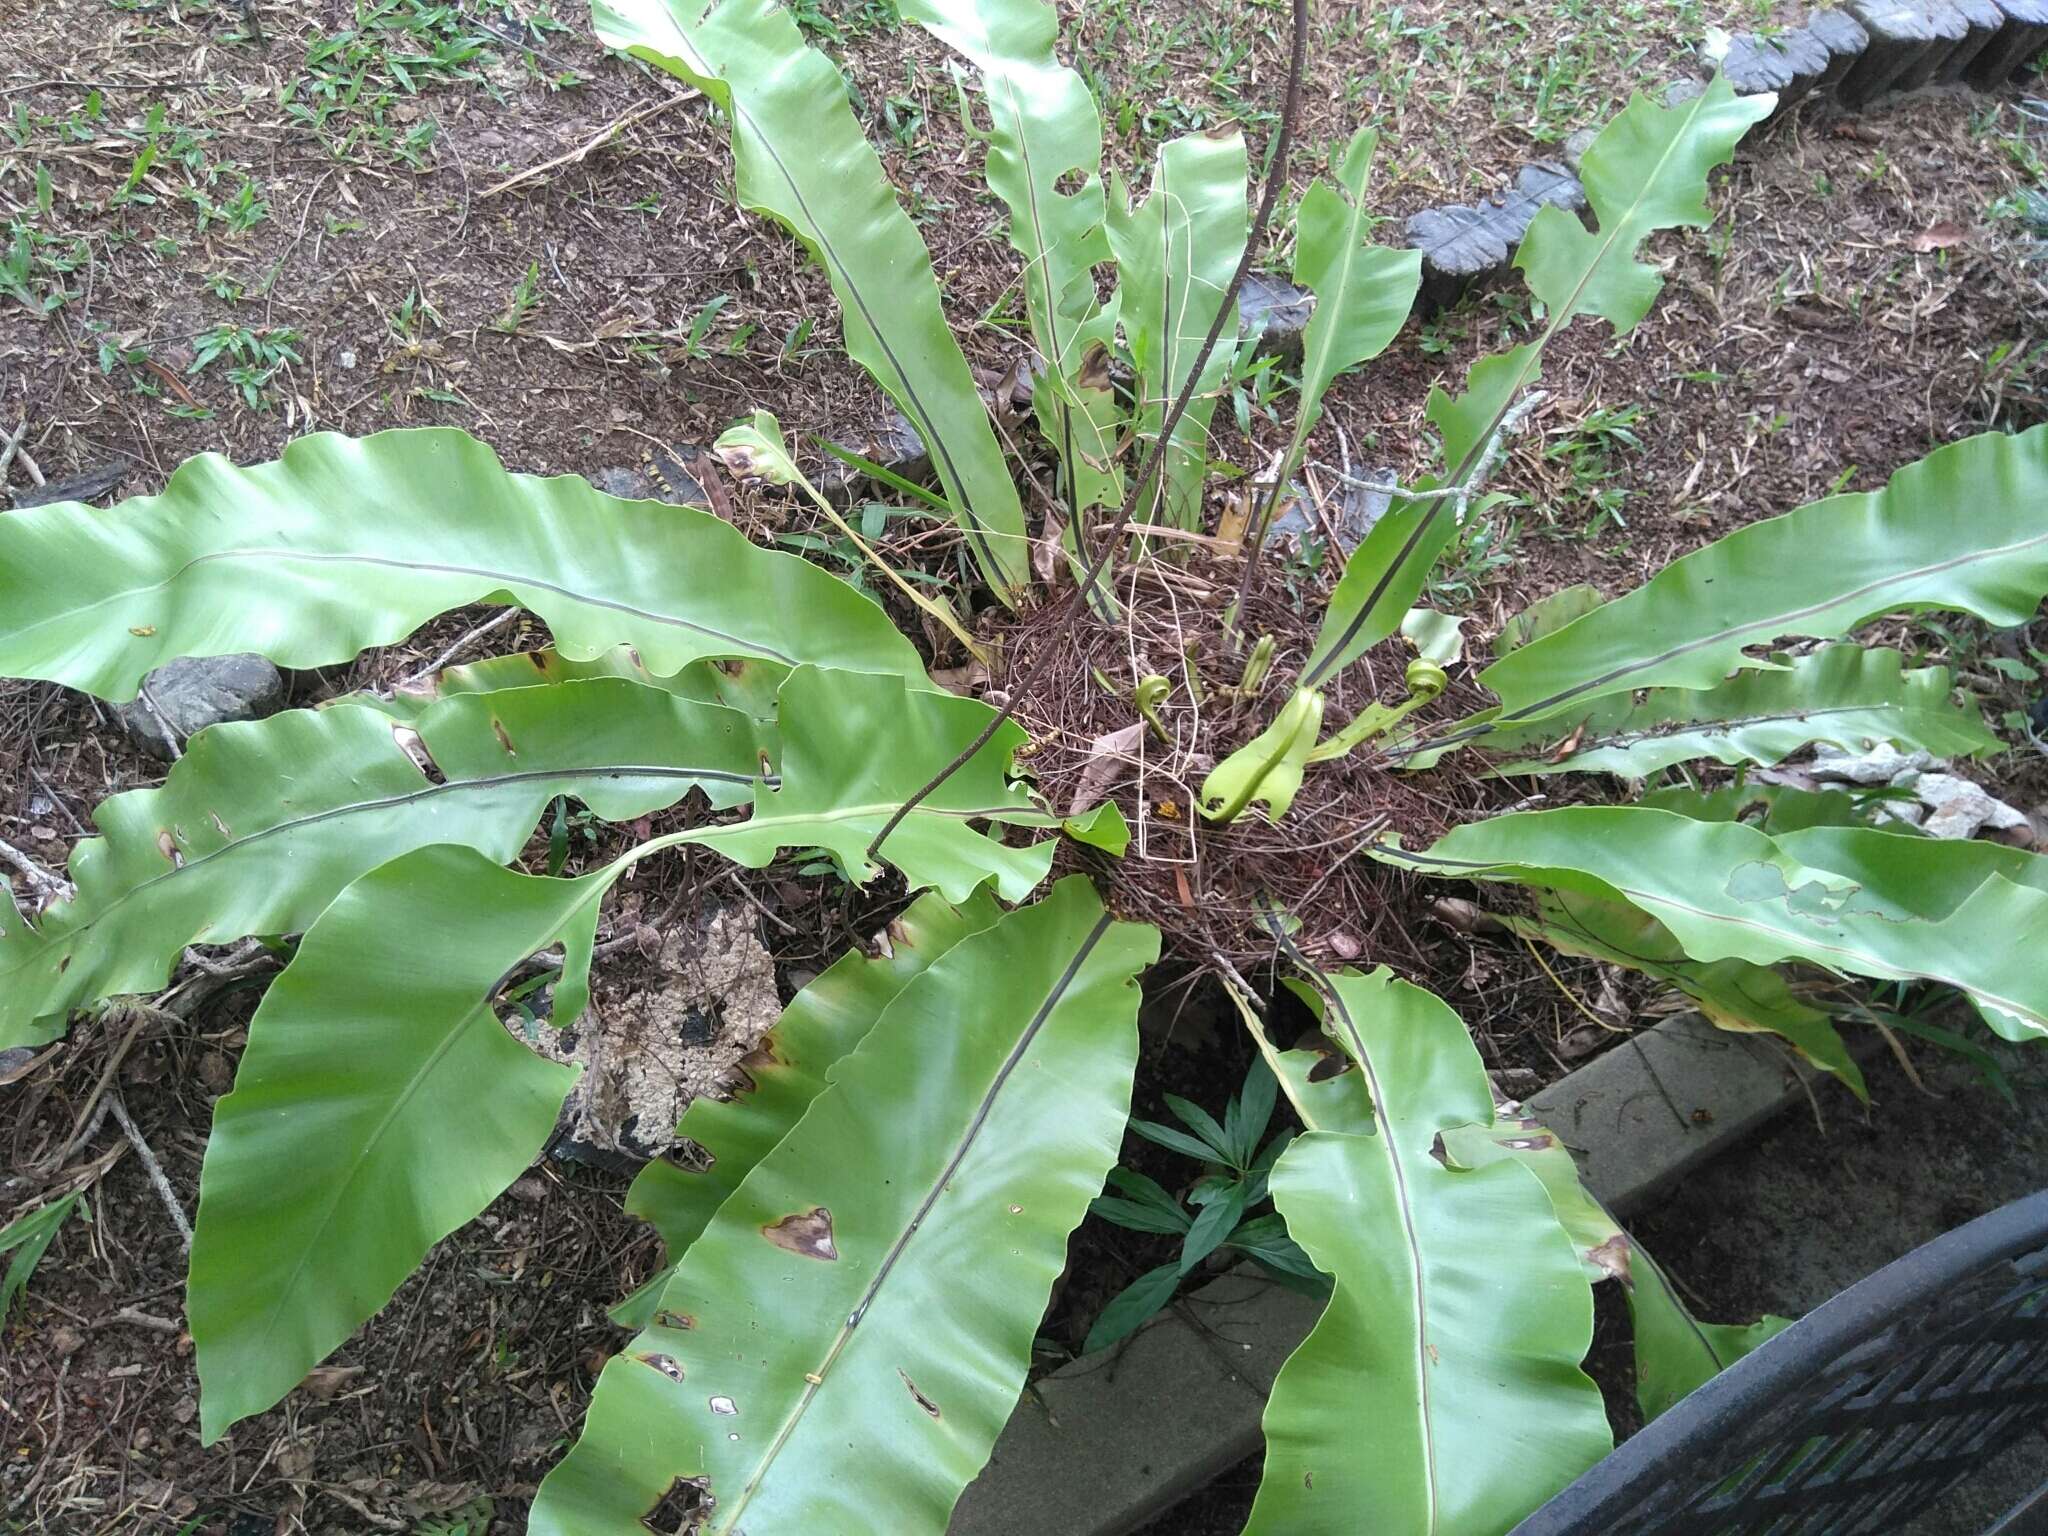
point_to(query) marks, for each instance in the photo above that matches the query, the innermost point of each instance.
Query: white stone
(1882, 764)
(1959, 808)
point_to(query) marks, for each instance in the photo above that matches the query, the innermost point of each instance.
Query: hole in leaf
(678, 1509)
(412, 746)
(1070, 183)
(668, 1365)
(922, 1401)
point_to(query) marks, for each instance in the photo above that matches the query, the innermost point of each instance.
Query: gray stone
(1987, 21)
(187, 695)
(668, 476)
(1274, 312)
(1460, 246)
(1789, 63)
(1845, 39)
(2018, 44)
(1096, 1449)
(1576, 146)
(1649, 1111)
(15, 1057)
(626, 484)
(1357, 509)
(1903, 33)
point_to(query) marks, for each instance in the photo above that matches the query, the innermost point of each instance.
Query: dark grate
(1855, 1417)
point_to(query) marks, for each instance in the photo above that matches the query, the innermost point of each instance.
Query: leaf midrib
(505, 579)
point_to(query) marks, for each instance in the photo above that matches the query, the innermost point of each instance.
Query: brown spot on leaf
(505, 741)
(681, 1322)
(1612, 1257)
(220, 826)
(1541, 1143)
(167, 845)
(808, 1234)
(666, 1364)
(923, 1402)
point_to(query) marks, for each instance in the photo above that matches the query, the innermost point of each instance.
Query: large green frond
(1961, 529)
(1440, 1392)
(840, 1347)
(379, 1106)
(345, 543)
(260, 825)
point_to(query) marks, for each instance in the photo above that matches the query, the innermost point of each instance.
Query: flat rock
(1353, 515)
(648, 1054)
(188, 695)
(1882, 764)
(1275, 312)
(1576, 146)
(1460, 246)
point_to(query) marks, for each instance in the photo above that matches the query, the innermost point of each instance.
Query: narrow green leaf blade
(345, 543)
(803, 161)
(1045, 130)
(1897, 908)
(1440, 1392)
(853, 1328)
(1961, 529)
(360, 1078)
(261, 824)
(1364, 292)
(1175, 253)
(1842, 694)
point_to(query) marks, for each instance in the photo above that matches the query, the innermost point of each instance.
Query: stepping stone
(1275, 312)
(1789, 63)
(1902, 34)
(1983, 19)
(2018, 44)
(1463, 245)
(1460, 246)
(1845, 40)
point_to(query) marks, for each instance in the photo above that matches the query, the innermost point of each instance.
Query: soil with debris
(241, 223)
